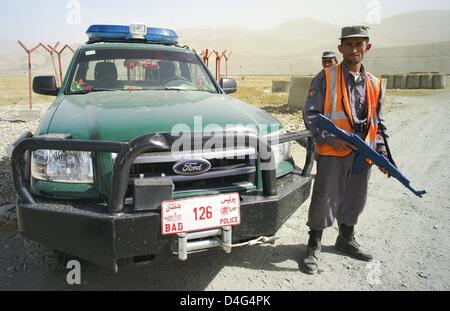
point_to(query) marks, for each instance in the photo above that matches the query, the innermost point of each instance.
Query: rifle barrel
(324, 123)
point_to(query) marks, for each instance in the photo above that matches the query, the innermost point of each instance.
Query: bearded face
(354, 49)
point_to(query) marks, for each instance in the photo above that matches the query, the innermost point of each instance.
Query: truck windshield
(115, 69)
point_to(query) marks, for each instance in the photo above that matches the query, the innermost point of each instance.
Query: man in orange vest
(350, 97)
(329, 59)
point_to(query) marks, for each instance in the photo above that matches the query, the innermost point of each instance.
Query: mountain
(295, 47)
(432, 57)
(413, 28)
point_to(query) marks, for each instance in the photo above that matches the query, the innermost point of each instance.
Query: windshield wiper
(174, 88)
(82, 92)
(179, 89)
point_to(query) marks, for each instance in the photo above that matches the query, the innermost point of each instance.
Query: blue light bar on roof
(124, 33)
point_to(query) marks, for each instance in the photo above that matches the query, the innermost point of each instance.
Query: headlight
(62, 166)
(281, 152)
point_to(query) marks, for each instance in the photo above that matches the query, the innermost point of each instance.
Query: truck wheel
(45, 256)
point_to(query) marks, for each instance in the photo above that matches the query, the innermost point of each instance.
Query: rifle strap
(386, 144)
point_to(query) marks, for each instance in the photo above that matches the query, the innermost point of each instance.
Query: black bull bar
(160, 142)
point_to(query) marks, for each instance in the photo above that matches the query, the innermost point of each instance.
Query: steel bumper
(85, 230)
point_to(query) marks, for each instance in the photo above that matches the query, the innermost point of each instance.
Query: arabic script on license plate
(200, 213)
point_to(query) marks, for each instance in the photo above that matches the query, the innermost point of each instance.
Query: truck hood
(123, 116)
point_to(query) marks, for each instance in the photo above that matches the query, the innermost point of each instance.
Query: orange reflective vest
(337, 108)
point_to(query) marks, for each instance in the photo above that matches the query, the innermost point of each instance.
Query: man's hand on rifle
(382, 169)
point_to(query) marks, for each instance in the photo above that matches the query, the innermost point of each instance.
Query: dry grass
(14, 91)
(257, 90)
(409, 93)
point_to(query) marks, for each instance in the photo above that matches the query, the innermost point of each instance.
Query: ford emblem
(192, 167)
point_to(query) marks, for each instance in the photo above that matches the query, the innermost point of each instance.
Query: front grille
(229, 168)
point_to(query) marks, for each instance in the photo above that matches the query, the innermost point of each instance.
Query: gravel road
(409, 237)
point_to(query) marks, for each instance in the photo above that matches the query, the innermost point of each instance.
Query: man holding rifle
(351, 98)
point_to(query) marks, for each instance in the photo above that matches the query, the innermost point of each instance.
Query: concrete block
(383, 88)
(299, 92)
(400, 82)
(389, 81)
(439, 81)
(426, 81)
(412, 82)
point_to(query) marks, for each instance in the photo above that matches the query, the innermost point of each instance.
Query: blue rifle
(366, 152)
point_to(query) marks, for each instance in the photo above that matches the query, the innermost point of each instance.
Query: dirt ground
(409, 237)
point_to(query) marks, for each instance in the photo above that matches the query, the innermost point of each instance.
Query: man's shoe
(346, 243)
(310, 262)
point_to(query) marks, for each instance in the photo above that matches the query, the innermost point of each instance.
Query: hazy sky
(67, 20)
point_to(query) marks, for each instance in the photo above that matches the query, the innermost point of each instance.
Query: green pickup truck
(143, 155)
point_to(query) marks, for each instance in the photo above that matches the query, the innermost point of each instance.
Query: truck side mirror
(45, 85)
(229, 86)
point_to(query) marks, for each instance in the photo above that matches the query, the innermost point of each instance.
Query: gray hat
(329, 54)
(355, 32)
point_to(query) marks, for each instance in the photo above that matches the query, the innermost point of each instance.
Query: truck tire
(45, 256)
